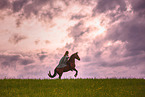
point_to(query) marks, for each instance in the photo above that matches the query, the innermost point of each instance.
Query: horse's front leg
(76, 72)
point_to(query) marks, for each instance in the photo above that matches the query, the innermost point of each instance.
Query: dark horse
(70, 66)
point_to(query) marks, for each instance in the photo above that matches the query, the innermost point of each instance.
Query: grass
(72, 88)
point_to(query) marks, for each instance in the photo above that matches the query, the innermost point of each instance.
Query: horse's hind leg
(60, 75)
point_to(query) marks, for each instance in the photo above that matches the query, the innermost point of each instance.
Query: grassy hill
(72, 88)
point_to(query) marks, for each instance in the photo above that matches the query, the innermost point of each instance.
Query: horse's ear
(76, 52)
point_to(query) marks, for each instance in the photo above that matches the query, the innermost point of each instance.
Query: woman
(63, 60)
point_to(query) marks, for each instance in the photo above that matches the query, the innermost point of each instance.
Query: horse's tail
(52, 76)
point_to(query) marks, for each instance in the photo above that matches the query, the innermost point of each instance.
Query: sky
(108, 35)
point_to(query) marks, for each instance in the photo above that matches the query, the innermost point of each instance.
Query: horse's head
(76, 56)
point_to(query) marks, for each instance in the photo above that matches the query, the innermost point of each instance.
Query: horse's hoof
(75, 75)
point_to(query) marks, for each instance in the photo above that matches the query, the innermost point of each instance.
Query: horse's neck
(72, 59)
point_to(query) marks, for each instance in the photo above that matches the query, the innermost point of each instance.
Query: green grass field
(72, 88)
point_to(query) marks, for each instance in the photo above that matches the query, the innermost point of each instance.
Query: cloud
(77, 33)
(38, 8)
(5, 64)
(47, 41)
(42, 55)
(4, 4)
(123, 45)
(14, 59)
(77, 17)
(138, 7)
(77, 30)
(26, 9)
(44, 10)
(26, 61)
(10, 58)
(106, 5)
(16, 38)
(37, 41)
(132, 32)
(26, 65)
(18, 5)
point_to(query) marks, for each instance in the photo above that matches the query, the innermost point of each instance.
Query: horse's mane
(71, 56)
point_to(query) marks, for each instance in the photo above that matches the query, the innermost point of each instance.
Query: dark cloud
(30, 9)
(77, 30)
(127, 62)
(12, 60)
(116, 16)
(77, 17)
(138, 7)
(106, 5)
(42, 55)
(26, 9)
(16, 38)
(4, 4)
(132, 32)
(86, 2)
(18, 4)
(42, 52)
(41, 9)
(29, 67)
(5, 63)
(7, 60)
(26, 61)
(36, 8)
(131, 53)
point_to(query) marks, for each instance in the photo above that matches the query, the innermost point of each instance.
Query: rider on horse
(63, 60)
(65, 65)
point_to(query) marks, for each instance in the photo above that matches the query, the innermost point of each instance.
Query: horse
(70, 66)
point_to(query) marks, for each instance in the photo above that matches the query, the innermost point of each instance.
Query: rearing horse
(70, 66)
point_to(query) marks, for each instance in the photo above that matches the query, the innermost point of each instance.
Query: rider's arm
(66, 59)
